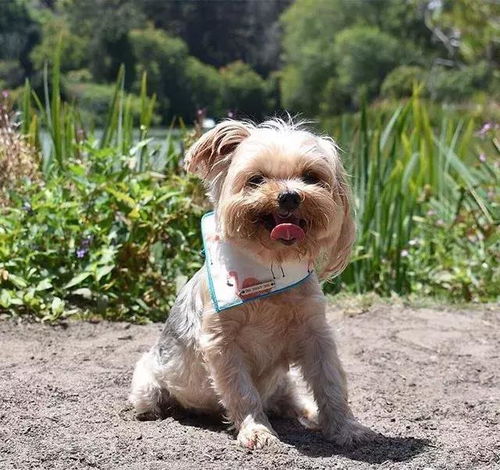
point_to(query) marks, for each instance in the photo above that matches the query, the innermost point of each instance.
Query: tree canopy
(251, 57)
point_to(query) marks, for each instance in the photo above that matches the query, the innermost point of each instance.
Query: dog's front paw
(256, 436)
(350, 433)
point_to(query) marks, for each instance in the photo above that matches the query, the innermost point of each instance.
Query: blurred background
(252, 58)
(101, 97)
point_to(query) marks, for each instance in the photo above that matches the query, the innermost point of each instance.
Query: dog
(281, 203)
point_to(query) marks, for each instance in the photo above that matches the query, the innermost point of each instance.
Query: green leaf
(19, 282)
(44, 284)
(83, 292)
(5, 298)
(102, 271)
(57, 306)
(77, 279)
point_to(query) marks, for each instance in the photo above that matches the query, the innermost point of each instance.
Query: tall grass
(412, 179)
(67, 132)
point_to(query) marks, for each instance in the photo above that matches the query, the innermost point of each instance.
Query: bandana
(235, 277)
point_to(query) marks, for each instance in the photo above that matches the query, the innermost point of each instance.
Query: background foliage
(251, 57)
(96, 214)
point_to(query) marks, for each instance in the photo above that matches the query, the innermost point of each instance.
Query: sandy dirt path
(427, 379)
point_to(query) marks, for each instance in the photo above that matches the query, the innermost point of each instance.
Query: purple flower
(482, 158)
(84, 247)
(5, 94)
(81, 252)
(487, 126)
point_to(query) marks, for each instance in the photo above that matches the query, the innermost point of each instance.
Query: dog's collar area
(235, 277)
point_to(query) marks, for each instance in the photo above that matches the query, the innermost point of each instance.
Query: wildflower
(482, 158)
(5, 94)
(487, 127)
(81, 252)
(404, 253)
(84, 247)
(230, 114)
(431, 213)
(413, 242)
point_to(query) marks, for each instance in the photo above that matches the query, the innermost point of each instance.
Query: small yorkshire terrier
(281, 222)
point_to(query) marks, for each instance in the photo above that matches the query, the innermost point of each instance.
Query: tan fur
(238, 361)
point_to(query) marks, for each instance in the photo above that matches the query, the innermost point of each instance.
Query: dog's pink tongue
(287, 231)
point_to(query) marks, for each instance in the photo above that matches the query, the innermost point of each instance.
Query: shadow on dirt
(382, 449)
(312, 444)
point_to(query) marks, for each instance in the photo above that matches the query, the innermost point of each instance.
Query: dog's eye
(310, 178)
(255, 180)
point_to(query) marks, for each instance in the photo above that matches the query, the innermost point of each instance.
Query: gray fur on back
(184, 321)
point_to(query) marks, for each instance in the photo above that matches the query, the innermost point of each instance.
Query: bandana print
(235, 277)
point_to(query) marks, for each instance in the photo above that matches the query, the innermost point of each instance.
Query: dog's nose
(289, 200)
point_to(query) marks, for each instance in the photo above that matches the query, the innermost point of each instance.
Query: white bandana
(234, 277)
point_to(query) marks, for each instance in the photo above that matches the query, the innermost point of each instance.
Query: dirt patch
(426, 379)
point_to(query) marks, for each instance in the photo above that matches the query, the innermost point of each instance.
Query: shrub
(101, 238)
(400, 82)
(163, 58)
(56, 33)
(203, 86)
(364, 56)
(244, 91)
(457, 84)
(93, 100)
(18, 159)
(11, 74)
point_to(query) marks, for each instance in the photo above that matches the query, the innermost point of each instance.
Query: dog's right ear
(211, 154)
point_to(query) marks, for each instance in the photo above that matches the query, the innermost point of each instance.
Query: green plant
(244, 91)
(365, 55)
(18, 159)
(401, 81)
(402, 168)
(101, 239)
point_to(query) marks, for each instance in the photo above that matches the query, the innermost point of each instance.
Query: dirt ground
(426, 379)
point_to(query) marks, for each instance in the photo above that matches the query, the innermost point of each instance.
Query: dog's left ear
(210, 155)
(336, 256)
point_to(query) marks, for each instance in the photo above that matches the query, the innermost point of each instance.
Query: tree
(243, 91)
(470, 26)
(224, 31)
(56, 33)
(364, 56)
(19, 32)
(106, 24)
(164, 58)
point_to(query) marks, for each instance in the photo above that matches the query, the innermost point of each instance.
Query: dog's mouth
(285, 227)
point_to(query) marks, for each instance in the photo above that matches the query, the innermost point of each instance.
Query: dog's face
(279, 192)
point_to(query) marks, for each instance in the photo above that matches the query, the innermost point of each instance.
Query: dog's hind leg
(289, 402)
(148, 397)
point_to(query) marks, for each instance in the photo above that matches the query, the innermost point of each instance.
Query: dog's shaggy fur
(237, 362)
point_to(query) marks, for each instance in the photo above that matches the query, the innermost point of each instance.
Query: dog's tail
(147, 395)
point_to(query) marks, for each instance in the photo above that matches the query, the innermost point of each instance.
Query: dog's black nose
(289, 200)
